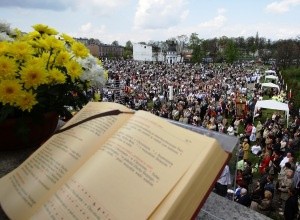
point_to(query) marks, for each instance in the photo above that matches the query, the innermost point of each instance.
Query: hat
(245, 139)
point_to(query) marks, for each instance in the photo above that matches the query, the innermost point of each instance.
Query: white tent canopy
(272, 77)
(272, 85)
(270, 72)
(272, 104)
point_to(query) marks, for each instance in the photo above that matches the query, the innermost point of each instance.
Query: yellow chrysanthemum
(48, 59)
(4, 45)
(54, 44)
(42, 57)
(74, 70)
(56, 76)
(26, 101)
(21, 50)
(79, 50)
(42, 44)
(37, 61)
(33, 35)
(67, 38)
(8, 67)
(44, 29)
(33, 76)
(62, 58)
(9, 91)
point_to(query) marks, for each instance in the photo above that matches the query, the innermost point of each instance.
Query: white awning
(272, 104)
(270, 85)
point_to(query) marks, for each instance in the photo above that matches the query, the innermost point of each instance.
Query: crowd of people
(206, 95)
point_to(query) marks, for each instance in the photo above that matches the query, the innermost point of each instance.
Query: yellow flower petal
(8, 67)
(9, 91)
(33, 76)
(26, 101)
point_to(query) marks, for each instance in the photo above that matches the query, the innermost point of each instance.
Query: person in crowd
(236, 123)
(269, 184)
(259, 128)
(291, 205)
(244, 198)
(288, 158)
(247, 174)
(230, 130)
(239, 178)
(258, 191)
(223, 182)
(274, 164)
(264, 164)
(269, 143)
(296, 179)
(264, 205)
(256, 149)
(284, 185)
(246, 149)
(276, 145)
(248, 130)
(252, 137)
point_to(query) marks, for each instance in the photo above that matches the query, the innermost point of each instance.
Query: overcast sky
(158, 20)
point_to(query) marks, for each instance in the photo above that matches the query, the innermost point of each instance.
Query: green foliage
(291, 76)
(231, 51)
(197, 54)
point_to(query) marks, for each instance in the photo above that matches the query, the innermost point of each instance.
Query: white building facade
(142, 52)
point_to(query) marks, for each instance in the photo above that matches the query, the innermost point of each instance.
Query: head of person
(289, 174)
(243, 191)
(288, 165)
(267, 194)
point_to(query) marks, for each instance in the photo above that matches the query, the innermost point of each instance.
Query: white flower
(93, 72)
(5, 37)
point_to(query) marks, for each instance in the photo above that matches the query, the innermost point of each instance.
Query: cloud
(159, 14)
(281, 6)
(216, 22)
(102, 7)
(90, 31)
(86, 27)
(56, 5)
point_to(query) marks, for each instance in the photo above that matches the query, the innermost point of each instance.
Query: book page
(131, 174)
(42, 173)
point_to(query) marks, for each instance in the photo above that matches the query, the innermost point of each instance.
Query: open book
(132, 165)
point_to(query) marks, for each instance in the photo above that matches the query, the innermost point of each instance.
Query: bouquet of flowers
(44, 71)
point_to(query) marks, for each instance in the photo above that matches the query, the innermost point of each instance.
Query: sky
(156, 20)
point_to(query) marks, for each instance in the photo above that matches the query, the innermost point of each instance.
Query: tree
(196, 47)
(128, 50)
(287, 51)
(197, 54)
(115, 43)
(155, 46)
(194, 41)
(210, 48)
(251, 46)
(182, 41)
(231, 51)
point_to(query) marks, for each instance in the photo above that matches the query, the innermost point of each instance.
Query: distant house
(110, 51)
(172, 56)
(142, 52)
(101, 50)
